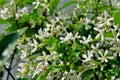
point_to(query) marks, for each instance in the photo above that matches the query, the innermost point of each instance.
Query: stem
(110, 4)
(97, 10)
(9, 68)
(16, 63)
(95, 76)
(15, 10)
(9, 73)
(12, 58)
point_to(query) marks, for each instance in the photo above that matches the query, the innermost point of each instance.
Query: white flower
(22, 67)
(36, 3)
(43, 33)
(104, 21)
(100, 34)
(96, 46)
(23, 54)
(85, 39)
(118, 5)
(69, 36)
(114, 2)
(87, 57)
(38, 70)
(76, 36)
(35, 43)
(72, 75)
(100, 18)
(104, 56)
(5, 13)
(87, 21)
(21, 12)
(112, 77)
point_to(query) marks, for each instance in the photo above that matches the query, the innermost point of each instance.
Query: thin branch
(11, 62)
(9, 73)
(12, 58)
(97, 10)
(110, 4)
(17, 60)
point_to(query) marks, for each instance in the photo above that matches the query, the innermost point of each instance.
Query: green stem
(97, 10)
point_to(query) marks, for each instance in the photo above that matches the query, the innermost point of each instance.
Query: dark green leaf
(115, 62)
(87, 74)
(7, 44)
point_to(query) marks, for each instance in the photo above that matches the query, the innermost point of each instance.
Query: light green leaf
(110, 34)
(53, 42)
(22, 3)
(53, 5)
(2, 2)
(116, 16)
(2, 21)
(68, 4)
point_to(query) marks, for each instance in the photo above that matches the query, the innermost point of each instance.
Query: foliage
(7, 44)
(58, 44)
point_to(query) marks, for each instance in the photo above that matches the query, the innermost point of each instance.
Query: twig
(96, 3)
(16, 62)
(9, 73)
(11, 62)
(110, 4)
(12, 58)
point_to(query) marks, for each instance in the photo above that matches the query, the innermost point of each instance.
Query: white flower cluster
(66, 47)
(4, 13)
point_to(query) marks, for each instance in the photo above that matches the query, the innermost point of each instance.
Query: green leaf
(28, 1)
(53, 42)
(68, 4)
(2, 2)
(116, 16)
(22, 3)
(109, 34)
(2, 21)
(115, 62)
(53, 5)
(23, 79)
(87, 74)
(7, 44)
(21, 31)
